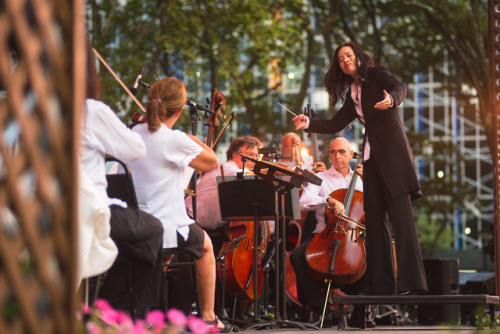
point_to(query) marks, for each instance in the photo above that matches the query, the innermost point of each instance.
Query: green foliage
(482, 317)
(443, 196)
(223, 44)
(428, 229)
(231, 44)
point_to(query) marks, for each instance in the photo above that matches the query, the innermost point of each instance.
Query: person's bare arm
(207, 160)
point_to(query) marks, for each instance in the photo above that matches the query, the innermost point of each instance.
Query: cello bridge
(341, 230)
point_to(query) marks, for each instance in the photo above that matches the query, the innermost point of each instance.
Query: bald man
(291, 149)
(317, 198)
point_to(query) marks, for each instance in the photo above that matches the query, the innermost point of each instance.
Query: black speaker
(442, 279)
(477, 283)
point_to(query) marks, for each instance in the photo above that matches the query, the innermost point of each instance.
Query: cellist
(316, 198)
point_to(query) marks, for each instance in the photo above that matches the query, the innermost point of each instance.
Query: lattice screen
(494, 45)
(37, 183)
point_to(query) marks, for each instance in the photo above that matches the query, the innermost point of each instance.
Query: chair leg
(197, 289)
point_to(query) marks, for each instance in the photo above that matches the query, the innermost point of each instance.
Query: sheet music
(188, 174)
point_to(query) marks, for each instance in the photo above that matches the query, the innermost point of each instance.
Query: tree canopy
(241, 46)
(245, 48)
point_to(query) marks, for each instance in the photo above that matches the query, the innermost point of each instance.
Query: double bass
(337, 254)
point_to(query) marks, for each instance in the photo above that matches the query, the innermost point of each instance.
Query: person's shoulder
(324, 174)
(140, 128)
(96, 105)
(99, 112)
(176, 137)
(379, 72)
(377, 69)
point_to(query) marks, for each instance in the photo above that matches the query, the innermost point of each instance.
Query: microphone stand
(222, 259)
(194, 125)
(193, 111)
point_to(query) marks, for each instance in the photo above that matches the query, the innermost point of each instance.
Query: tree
(229, 44)
(443, 197)
(460, 28)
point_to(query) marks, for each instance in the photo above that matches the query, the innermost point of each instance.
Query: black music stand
(282, 184)
(251, 198)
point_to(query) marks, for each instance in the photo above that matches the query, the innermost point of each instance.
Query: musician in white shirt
(317, 198)
(158, 179)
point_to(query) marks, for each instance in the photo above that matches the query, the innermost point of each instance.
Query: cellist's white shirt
(314, 197)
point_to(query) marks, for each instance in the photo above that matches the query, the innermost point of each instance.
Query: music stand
(282, 185)
(251, 198)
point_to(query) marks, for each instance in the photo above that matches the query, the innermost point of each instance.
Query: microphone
(144, 84)
(199, 107)
(134, 87)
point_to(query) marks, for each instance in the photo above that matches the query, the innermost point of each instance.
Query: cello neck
(352, 184)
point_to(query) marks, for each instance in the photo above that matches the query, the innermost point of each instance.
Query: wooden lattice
(38, 106)
(494, 39)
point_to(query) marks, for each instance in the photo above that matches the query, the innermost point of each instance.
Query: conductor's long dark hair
(337, 82)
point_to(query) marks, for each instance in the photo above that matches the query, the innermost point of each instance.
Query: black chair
(121, 186)
(183, 259)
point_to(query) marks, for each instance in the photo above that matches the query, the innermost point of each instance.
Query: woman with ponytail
(159, 177)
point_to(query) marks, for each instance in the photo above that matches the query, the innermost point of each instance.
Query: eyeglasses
(341, 152)
(250, 154)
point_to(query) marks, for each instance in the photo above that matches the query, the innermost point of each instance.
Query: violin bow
(139, 104)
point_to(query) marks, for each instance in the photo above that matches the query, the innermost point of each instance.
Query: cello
(218, 105)
(239, 263)
(337, 254)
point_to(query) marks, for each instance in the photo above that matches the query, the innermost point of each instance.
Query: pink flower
(86, 309)
(214, 329)
(92, 328)
(197, 326)
(124, 321)
(176, 317)
(156, 318)
(102, 305)
(139, 327)
(109, 316)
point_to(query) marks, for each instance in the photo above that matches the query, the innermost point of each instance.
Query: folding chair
(121, 186)
(184, 259)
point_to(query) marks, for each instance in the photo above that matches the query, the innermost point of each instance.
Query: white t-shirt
(103, 133)
(159, 177)
(314, 197)
(207, 197)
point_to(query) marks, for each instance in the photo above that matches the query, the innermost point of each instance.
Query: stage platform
(410, 329)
